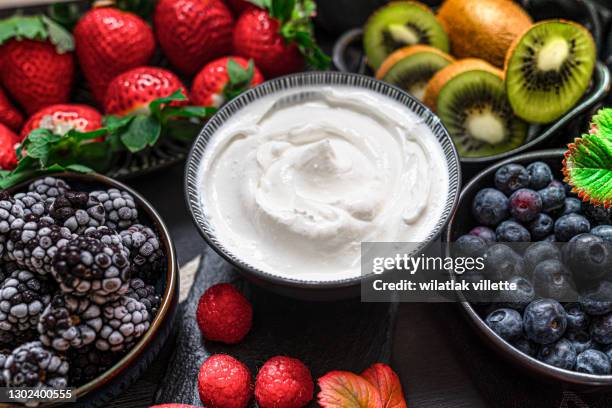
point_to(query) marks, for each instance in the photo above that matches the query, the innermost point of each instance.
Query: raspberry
(224, 314)
(224, 382)
(283, 382)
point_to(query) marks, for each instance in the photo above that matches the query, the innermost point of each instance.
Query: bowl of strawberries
(124, 91)
(88, 286)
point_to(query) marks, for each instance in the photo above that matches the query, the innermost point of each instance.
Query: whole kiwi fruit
(483, 28)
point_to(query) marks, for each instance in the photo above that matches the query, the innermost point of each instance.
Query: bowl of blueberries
(531, 230)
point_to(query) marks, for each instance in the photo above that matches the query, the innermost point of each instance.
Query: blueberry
(581, 341)
(553, 198)
(519, 298)
(551, 279)
(601, 329)
(540, 175)
(551, 238)
(597, 301)
(607, 350)
(490, 207)
(593, 362)
(588, 256)
(507, 323)
(525, 204)
(511, 177)
(597, 213)
(501, 262)
(557, 183)
(469, 246)
(577, 319)
(604, 232)
(544, 321)
(569, 226)
(512, 231)
(541, 227)
(526, 346)
(485, 233)
(572, 205)
(560, 354)
(539, 252)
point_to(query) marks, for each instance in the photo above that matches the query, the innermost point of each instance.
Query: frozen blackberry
(88, 363)
(33, 365)
(69, 321)
(120, 208)
(146, 253)
(49, 188)
(32, 244)
(108, 237)
(146, 295)
(31, 202)
(77, 211)
(9, 211)
(23, 297)
(88, 267)
(125, 320)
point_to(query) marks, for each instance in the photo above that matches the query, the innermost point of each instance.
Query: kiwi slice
(401, 24)
(411, 68)
(474, 108)
(548, 69)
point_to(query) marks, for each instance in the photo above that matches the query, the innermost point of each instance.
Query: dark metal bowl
(98, 392)
(461, 223)
(305, 289)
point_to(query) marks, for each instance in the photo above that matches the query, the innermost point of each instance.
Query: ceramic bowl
(461, 223)
(98, 392)
(309, 290)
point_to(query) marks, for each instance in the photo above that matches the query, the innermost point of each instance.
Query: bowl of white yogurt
(287, 180)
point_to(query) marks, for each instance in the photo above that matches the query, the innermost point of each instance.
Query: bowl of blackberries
(530, 229)
(88, 281)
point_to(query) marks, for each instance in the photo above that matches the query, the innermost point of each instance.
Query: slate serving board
(346, 335)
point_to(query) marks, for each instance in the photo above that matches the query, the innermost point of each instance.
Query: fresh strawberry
(279, 39)
(36, 74)
(193, 32)
(240, 6)
(9, 115)
(62, 118)
(223, 79)
(109, 42)
(8, 140)
(132, 91)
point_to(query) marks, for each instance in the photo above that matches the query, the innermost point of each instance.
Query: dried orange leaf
(388, 384)
(341, 389)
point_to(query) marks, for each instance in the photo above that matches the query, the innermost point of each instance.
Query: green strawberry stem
(240, 78)
(37, 27)
(295, 17)
(43, 151)
(587, 164)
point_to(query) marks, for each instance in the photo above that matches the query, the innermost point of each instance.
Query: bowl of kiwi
(501, 81)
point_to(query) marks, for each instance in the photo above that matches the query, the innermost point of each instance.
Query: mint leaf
(587, 165)
(143, 131)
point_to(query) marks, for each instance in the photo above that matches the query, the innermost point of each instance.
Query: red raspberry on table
(224, 382)
(283, 382)
(224, 314)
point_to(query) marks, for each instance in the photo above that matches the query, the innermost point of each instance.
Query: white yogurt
(293, 189)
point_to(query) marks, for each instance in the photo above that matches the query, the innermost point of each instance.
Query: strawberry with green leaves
(223, 79)
(279, 37)
(60, 119)
(134, 90)
(37, 66)
(240, 6)
(109, 42)
(193, 32)
(9, 115)
(587, 165)
(8, 140)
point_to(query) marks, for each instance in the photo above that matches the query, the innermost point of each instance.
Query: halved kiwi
(548, 69)
(471, 101)
(411, 68)
(400, 24)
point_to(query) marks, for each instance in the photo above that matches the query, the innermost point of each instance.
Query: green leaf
(113, 123)
(189, 112)
(62, 39)
(157, 105)
(65, 14)
(588, 162)
(143, 131)
(282, 9)
(240, 78)
(264, 4)
(79, 168)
